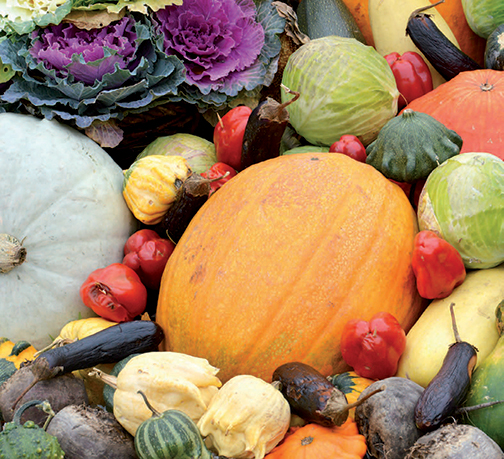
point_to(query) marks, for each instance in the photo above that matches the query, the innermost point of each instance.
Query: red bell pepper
(147, 253)
(219, 169)
(228, 135)
(115, 293)
(437, 265)
(373, 348)
(351, 146)
(412, 75)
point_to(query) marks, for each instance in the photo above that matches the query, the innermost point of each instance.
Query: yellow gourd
(389, 18)
(169, 380)
(151, 185)
(428, 340)
(246, 419)
(12, 355)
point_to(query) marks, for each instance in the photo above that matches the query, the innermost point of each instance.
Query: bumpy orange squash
(281, 257)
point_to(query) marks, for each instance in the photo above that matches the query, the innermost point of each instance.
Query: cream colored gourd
(428, 340)
(389, 18)
(60, 196)
(246, 419)
(169, 380)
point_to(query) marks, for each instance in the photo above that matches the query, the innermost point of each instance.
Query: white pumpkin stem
(12, 253)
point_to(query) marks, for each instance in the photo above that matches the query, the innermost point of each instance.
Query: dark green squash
(320, 18)
(494, 50)
(29, 440)
(487, 386)
(411, 145)
(169, 435)
(108, 390)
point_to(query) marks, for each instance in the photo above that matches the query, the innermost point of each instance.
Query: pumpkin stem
(154, 411)
(12, 253)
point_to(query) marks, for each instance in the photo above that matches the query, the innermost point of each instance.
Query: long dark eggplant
(448, 389)
(106, 346)
(443, 55)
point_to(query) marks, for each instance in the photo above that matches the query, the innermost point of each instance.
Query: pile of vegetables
(315, 270)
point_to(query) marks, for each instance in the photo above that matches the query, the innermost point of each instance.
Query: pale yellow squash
(428, 340)
(389, 18)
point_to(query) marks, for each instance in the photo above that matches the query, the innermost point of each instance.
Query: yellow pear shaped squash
(281, 257)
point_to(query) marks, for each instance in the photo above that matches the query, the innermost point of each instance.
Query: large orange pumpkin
(281, 257)
(470, 104)
(453, 14)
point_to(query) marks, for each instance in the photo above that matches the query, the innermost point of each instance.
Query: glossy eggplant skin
(443, 55)
(306, 390)
(106, 346)
(448, 389)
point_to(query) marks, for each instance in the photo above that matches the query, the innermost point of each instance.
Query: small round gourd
(12, 355)
(151, 185)
(60, 195)
(411, 145)
(168, 435)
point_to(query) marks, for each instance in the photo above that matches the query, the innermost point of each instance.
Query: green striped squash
(170, 435)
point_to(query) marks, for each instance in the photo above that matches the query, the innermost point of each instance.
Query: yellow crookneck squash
(281, 257)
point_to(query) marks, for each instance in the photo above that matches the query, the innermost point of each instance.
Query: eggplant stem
(424, 8)
(288, 102)
(454, 324)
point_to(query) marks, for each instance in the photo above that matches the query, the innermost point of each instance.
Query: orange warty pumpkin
(313, 441)
(281, 257)
(470, 104)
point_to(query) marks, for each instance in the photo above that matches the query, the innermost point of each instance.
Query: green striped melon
(170, 435)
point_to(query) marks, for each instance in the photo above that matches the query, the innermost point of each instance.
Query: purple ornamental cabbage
(58, 46)
(225, 45)
(83, 76)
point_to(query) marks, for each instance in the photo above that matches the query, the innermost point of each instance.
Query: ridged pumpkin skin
(274, 264)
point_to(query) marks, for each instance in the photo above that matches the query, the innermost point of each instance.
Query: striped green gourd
(169, 435)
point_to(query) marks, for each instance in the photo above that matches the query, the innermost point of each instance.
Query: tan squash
(281, 257)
